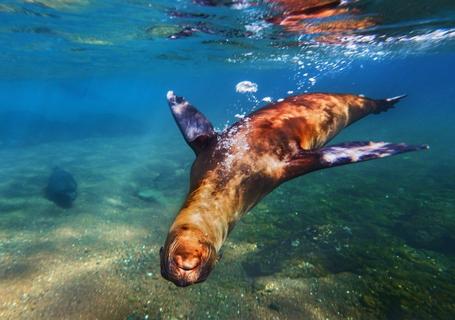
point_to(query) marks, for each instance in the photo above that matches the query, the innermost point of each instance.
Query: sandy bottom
(99, 259)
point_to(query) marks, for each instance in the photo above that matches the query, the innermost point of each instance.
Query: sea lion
(236, 168)
(61, 188)
(311, 17)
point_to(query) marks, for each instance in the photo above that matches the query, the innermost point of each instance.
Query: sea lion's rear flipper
(346, 153)
(358, 151)
(195, 127)
(386, 104)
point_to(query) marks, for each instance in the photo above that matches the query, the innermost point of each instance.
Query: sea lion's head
(187, 256)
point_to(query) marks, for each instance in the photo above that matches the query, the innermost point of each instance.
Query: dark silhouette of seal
(235, 169)
(61, 188)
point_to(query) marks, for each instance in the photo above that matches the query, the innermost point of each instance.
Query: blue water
(83, 87)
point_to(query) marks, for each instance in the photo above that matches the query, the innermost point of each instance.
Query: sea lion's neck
(208, 213)
(227, 181)
(216, 204)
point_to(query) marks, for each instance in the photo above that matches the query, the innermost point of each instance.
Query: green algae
(329, 245)
(162, 31)
(354, 233)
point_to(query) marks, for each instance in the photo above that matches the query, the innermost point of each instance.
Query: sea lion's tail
(383, 105)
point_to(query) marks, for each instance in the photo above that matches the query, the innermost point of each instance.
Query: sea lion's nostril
(187, 263)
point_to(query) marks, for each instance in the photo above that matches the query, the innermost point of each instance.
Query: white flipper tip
(396, 99)
(170, 95)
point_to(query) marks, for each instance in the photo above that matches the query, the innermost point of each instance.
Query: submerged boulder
(162, 31)
(61, 188)
(151, 195)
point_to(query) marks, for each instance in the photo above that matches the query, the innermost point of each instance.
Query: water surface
(83, 87)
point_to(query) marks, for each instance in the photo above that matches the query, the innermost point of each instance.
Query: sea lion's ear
(195, 127)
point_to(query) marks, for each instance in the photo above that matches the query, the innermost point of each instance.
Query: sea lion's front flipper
(345, 153)
(196, 129)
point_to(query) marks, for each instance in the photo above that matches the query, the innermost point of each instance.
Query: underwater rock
(229, 43)
(423, 231)
(182, 14)
(162, 31)
(274, 306)
(262, 264)
(7, 9)
(179, 172)
(61, 188)
(37, 30)
(300, 298)
(172, 56)
(60, 4)
(90, 41)
(151, 195)
(17, 10)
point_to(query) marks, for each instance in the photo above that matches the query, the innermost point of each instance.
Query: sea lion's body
(237, 168)
(61, 188)
(317, 17)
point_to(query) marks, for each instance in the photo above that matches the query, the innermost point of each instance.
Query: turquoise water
(83, 86)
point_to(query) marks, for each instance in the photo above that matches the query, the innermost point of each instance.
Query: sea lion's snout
(187, 258)
(187, 262)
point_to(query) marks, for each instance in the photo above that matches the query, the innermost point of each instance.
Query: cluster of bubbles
(312, 62)
(236, 143)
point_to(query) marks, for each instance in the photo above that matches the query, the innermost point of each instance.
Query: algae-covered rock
(180, 172)
(426, 231)
(90, 40)
(7, 8)
(151, 195)
(162, 31)
(60, 4)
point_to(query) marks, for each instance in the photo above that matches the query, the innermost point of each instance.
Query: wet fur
(237, 168)
(259, 149)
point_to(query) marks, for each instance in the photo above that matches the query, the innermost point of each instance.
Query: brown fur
(309, 17)
(245, 163)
